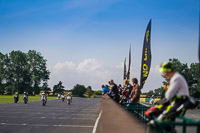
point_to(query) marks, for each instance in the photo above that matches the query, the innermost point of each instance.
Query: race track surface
(55, 117)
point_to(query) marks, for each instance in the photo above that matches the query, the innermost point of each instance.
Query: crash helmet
(166, 67)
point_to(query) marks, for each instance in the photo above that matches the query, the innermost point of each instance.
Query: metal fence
(138, 109)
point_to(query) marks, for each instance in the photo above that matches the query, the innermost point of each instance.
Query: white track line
(43, 117)
(96, 123)
(42, 125)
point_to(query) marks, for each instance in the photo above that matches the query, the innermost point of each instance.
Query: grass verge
(10, 99)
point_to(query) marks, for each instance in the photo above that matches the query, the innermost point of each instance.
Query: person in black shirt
(114, 91)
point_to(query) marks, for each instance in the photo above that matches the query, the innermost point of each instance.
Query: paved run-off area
(55, 117)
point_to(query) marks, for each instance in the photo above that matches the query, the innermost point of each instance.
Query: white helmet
(43, 93)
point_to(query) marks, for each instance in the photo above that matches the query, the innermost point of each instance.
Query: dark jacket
(114, 93)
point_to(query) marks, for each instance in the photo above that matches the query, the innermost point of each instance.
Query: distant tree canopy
(59, 88)
(79, 90)
(89, 91)
(191, 75)
(99, 92)
(23, 72)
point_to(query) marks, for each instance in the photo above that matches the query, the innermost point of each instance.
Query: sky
(86, 41)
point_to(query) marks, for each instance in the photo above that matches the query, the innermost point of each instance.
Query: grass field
(10, 99)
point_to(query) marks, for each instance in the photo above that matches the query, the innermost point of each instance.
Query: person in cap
(178, 85)
(176, 94)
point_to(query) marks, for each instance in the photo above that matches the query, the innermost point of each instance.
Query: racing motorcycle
(156, 111)
(25, 98)
(63, 98)
(69, 100)
(16, 98)
(44, 101)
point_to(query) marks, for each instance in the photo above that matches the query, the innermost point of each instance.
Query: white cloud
(89, 65)
(120, 66)
(92, 72)
(66, 65)
(88, 72)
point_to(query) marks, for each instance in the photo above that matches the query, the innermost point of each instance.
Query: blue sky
(76, 33)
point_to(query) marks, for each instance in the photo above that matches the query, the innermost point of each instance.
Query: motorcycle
(44, 101)
(16, 98)
(68, 100)
(154, 112)
(25, 98)
(63, 98)
(152, 99)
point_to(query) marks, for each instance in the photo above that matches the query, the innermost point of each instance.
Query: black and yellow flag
(146, 56)
(129, 65)
(125, 69)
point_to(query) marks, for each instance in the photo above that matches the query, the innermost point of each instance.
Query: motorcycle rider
(62, 96)
(59, 95)
(69, 97)
(16, 96)
(176, 94)
(43, 96)
(152, 99)
(25, 95)
(178, 91)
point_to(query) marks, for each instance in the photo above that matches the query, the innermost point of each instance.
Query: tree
(19, 75)
(79, 90)
(195, 85)
(59, 88)
(89, 91)
(159, 91)
(2, 72)
(22, 72)
(38, 69)
(99, 92)
(45, 87)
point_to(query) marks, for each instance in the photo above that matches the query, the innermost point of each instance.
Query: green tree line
(21, 72)
(82, 91)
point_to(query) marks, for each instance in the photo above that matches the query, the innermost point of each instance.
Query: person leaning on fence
(127, 89)
(135, 94)
(105, 89)
(114, 92)
(120, 88)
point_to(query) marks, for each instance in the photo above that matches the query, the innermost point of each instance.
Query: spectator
(105, 90)
(127, 89)
(114, 91)
(110, 87)
(135, 94)
(120, 88)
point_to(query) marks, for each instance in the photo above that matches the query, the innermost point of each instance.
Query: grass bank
(10, 99)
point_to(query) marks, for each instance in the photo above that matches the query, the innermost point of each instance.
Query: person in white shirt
(176, 95)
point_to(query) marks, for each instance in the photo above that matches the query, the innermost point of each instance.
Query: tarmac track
(55, 117)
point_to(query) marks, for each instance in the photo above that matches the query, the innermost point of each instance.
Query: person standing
(127, 89)
(135, 94)
(114, 93)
